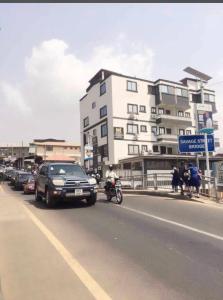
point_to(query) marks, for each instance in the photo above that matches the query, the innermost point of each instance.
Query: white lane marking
(215, 236)
(95, 289)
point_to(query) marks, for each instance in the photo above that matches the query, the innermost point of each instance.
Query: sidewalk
(167, 193)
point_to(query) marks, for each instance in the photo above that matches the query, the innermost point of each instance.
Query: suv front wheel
(50, 201)
(92, 200)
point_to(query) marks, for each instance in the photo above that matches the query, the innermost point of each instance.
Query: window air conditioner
(135, 137)
(132, 116)
(144, 153)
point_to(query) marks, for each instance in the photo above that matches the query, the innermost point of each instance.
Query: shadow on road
(76, 204)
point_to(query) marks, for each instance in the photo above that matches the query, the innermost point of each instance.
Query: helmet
(110, 167)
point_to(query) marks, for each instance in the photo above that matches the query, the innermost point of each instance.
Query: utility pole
(205, 135)
(202, 78)
(22, 156)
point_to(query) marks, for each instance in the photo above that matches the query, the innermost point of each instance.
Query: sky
(48, 53)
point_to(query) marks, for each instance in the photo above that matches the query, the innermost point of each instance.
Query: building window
(94, 132)
(181, 92)
(133, 149)
(155, 148)
(93, 105)
(104, 130)
(164, 89)
(151, 90)
(144, 148)
(169, 151)
(143, 128)
(154, 129)
(167, 89)
(162, 149)
(103, 150)
(142, 108)
(49, 148)
(153, 110)
(161, 130)
(187, 115)
(180, 113)
(168, 112)
(103, 111)
(200, 118)
(181, 132)
(132, 109)
(209, 97)
(86, 121)
(160, 111)
(131, 86)
(168, 131)
(188, 132)
(102, 89)
(132, 129)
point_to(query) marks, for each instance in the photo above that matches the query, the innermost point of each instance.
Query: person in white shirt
(110, 177)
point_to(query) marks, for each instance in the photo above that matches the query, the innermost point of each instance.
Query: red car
(29, 185)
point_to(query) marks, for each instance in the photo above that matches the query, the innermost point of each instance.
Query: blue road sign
(206, 130)
(195, 143)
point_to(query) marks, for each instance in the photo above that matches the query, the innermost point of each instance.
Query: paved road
(149, 248)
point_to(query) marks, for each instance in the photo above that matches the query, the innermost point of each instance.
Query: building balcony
(168, 138)
(163, 118)
(174, 100)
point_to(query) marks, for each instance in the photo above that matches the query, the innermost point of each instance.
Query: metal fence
(162, 182)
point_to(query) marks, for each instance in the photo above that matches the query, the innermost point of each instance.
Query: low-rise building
(12, 153)
(55, 150)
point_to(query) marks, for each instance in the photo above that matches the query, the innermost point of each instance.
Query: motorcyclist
(110, 177)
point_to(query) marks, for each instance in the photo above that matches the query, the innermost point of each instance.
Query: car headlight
(92, 181)
(58, 182)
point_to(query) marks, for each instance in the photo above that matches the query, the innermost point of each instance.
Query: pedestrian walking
(175, 179)
(194, 179)
(184, 177)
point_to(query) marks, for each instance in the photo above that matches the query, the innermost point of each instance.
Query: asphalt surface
(148, 248)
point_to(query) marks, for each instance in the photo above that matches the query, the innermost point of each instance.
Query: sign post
(196, 143)
(207, 154)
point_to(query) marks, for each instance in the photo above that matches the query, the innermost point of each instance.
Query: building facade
(13, 152)
(55, 150)
(123, 116)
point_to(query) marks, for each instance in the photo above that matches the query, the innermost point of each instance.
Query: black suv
(58, 181)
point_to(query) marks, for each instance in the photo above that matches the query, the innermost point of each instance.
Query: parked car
(8, 172)
(59, 181)
(20, 178)
(29, 185)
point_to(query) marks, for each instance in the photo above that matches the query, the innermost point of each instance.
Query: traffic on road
(148, 247)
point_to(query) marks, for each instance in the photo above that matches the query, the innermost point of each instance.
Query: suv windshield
(24, 176)
(66, 170)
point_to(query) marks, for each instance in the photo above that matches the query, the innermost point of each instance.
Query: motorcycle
(115, 190)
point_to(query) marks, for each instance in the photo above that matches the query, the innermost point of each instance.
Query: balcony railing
(160, 118)
(167, 137)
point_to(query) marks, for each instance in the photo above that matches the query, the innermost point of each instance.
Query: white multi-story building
(123, 116)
